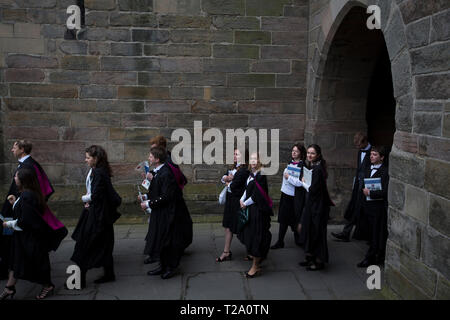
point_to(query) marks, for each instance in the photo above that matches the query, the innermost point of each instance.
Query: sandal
(257, 273)
(45, 292)
(228, 257)
(5, 294)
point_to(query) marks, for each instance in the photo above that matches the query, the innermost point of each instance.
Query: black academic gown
(315, 216)
(232, 204)
(299, 205)
(178, 174)
(94, 233)
(46, 187)
(184, 223)
(377, 215)
(29, 257)
(353, 211)
(256, 234)
(170, 229)
(299, 198)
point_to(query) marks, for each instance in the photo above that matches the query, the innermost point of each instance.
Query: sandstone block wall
(143, 68)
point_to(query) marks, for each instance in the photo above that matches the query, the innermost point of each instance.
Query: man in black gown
(170, 228)
(353, 212)
(21, 150)
(161, 141)
(375, 208)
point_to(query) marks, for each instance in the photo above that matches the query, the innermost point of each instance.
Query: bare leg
(255, 266)
(226, 250)
(11, 280)
(10, 287)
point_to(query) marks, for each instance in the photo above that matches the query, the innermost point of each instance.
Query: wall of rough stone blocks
(143, 68)
(417, 35)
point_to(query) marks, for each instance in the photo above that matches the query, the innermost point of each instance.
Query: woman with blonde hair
(255, 234)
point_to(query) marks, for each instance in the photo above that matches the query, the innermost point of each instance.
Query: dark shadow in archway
(355, 94)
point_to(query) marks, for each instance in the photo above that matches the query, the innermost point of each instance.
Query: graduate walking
(255, 234)
(22, 152)
(353, 212)
(316, 212)
(182, 211)
(32, 237)
(170, 229)
(235, 180)
(94, 232)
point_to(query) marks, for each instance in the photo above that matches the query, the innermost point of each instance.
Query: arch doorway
(354, 92)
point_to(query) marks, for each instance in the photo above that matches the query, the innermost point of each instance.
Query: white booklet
(373, 184)
(294, 171)
(307, 175)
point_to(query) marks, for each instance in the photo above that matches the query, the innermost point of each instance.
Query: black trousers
(377, 236)
(348, 228)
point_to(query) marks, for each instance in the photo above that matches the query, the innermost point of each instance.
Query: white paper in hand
(307, 175)
(146, 184)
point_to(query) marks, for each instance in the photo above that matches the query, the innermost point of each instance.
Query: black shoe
(277, 245)
(156, 271)
(106, 278)
(257, 273)
(169, 273)
(341, 236)
(227, 257)
(150, 260)
(365, 263)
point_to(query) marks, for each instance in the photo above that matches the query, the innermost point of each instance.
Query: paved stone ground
(200, 277)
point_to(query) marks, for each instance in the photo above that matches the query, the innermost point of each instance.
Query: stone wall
(143, 68)
(417, 35)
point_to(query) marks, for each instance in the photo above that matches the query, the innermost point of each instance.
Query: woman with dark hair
(235, 180)
(292, 197)
(256, 235)
(31, 238)
(316, 213)
(94, 233)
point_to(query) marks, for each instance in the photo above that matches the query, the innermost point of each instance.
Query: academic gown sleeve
(258, 197)
(28, 215)
(167, 191)
(239, 180)
(98, 203)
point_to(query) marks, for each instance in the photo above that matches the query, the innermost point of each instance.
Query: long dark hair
(102, 158)
(244, 158)
(302, 150)
(29, 182)
(319, 158)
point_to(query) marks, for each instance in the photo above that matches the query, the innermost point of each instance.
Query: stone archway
(417, 235)
(353, 92)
